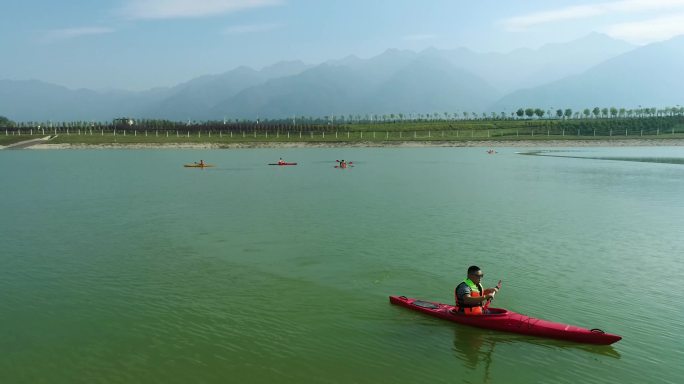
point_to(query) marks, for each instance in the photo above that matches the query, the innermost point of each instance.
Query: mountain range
(593, 71)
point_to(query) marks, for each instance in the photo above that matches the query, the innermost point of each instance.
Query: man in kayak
(343, 164)
(201, 163)
(281, 161)
(470, 296)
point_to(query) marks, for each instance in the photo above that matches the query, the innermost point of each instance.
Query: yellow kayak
(197, 165)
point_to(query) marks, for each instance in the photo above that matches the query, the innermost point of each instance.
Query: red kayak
(509, 321)
(282, 164)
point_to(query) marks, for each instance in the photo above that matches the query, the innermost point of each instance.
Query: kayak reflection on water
(468, 343)
(474, 346)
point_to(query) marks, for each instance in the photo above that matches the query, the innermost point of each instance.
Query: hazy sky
(139, 44)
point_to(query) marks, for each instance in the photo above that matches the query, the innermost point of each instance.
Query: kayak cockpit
(426, 304)
(489, 312)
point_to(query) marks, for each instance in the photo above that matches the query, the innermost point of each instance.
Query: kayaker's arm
(477, 300)
(494, 290)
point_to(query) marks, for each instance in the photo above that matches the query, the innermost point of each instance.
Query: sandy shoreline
(389, 144)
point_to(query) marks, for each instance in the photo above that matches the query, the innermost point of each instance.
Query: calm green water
(121, 266)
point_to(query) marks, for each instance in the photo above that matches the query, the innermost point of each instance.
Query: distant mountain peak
(397, 51)
(641, 76)
(430, 49)
(242, 68)
(284, 63)
(593, 39)
(347, 60)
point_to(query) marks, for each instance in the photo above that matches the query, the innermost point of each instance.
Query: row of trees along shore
(595, 119)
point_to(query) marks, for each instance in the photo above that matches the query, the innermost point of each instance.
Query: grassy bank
(11, 139)
(323, 137)
(423, 131)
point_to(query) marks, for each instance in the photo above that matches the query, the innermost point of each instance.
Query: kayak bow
(508, 321)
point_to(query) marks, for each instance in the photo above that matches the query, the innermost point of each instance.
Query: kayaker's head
(475, 273)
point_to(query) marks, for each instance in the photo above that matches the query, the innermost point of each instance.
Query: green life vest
(475, 291)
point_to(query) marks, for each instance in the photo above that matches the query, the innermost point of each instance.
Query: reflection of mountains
(665, 160)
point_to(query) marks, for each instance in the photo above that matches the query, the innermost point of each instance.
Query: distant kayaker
(470, 296)
(343, 164)
(201, 163)
(281, 161)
